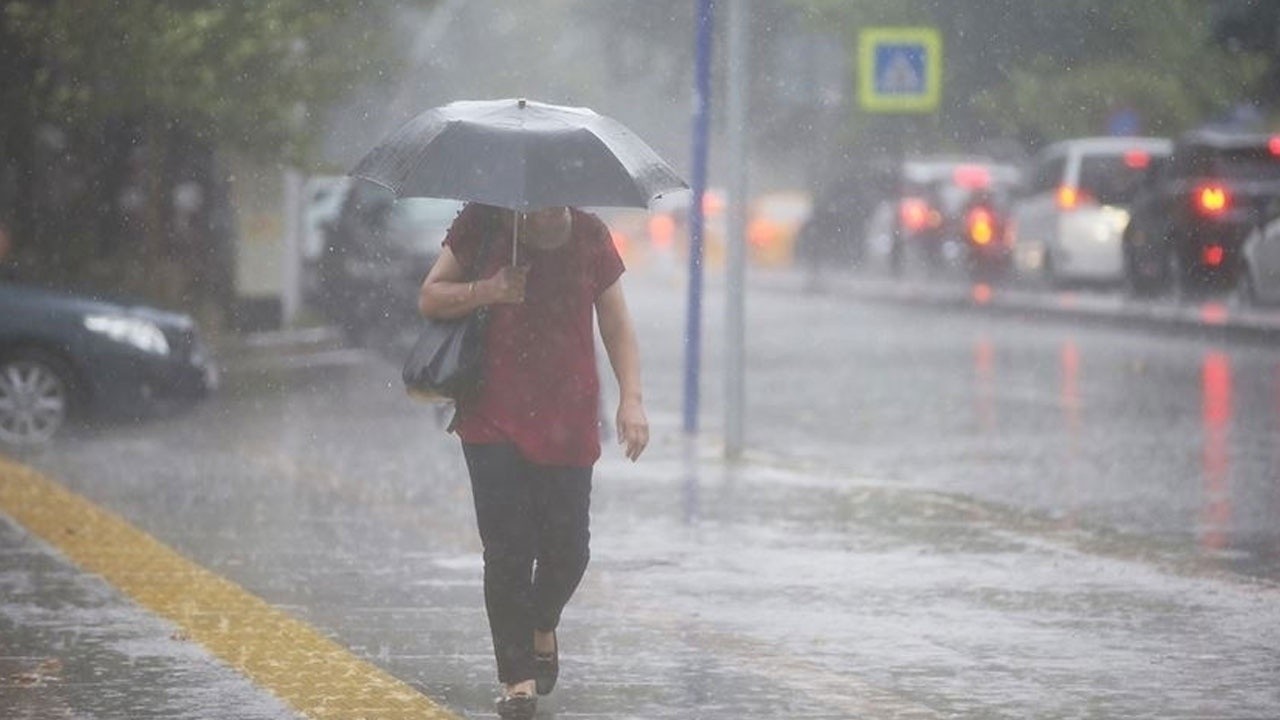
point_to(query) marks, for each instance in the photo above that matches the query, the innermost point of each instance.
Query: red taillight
(1274, 145)
(1137, 159)
(1070, 197)
(971, 177)
(982, 226)
(1213, 255)
(913, 214)
(1212, 200)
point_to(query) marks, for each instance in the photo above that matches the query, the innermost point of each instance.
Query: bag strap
(489, 228)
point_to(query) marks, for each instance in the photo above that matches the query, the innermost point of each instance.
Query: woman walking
(530, 435)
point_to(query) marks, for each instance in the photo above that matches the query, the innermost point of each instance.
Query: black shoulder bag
(445, 363)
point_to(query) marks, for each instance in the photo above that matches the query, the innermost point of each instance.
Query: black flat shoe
(546, 668)
(517, 707)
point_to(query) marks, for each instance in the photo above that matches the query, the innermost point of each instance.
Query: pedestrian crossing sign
(899, 69)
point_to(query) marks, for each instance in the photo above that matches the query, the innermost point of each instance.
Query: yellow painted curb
(313, 674)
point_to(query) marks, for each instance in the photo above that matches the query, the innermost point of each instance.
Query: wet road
(1174, 438)
(942, 515)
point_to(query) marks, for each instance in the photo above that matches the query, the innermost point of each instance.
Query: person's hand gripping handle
(507, 286)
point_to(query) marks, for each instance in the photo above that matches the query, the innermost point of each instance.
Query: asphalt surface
(944, 513)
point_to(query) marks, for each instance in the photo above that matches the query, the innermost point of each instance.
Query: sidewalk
(760, 589)
(71, 646)
(869, 600)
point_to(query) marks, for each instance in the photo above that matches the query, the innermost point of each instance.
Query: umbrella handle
(515, 235)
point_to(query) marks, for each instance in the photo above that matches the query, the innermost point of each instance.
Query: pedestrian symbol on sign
(900, 70)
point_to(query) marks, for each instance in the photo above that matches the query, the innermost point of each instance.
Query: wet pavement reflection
(1109, 426)
(1215, 519)
(939, 516)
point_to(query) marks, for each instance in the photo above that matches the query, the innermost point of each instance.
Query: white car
(1260, 274)
(1068, 223)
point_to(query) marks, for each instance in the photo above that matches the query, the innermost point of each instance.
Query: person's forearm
(451, 300)
(624, 355)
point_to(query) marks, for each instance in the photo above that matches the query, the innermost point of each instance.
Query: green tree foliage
(1252, 26)
(1039, 71)
(1161, 64)
(248, 74)
(116, 115)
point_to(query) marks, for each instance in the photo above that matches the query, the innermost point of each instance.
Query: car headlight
(141, 334)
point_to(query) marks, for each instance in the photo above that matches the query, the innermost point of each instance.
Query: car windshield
(1252, 163)
(1111, 179)
(951, 186)
(419, 224)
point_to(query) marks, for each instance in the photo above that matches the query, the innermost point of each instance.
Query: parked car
(1192, 212)
(1069, 222)
(376, 254)
(934, 197)
(1260, 259)
(64, 354)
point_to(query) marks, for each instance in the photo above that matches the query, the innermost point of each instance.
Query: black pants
(534, 526)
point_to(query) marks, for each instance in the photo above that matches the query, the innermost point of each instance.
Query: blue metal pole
(701, 117)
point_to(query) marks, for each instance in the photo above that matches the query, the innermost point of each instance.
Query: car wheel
(1132, 283)
(1050, 270)
(896, 252)
(1182, 280)
(1246, 292)
(1129, 279)
(1167, 263)
(35, 398)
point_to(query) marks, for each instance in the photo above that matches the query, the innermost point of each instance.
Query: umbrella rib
(395, 191)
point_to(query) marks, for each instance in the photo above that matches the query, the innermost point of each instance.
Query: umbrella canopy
(521, 155)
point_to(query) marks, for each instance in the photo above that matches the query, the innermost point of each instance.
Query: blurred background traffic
(190, 158)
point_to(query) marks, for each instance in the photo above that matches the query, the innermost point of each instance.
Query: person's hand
(507, 285)
(633, 428)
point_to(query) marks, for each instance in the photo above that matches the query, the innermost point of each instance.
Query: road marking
(316, 676)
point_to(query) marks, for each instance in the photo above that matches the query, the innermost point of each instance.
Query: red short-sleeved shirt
(540, 388)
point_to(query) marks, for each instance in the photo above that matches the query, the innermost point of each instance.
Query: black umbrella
(521, 155)
(514, 154)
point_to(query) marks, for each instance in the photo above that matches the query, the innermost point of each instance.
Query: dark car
(1260, 269)
(63, 354)
(376, 254)
(935, 198)
(1193, 210)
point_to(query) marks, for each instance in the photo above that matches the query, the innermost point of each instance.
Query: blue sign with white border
(899, 70)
